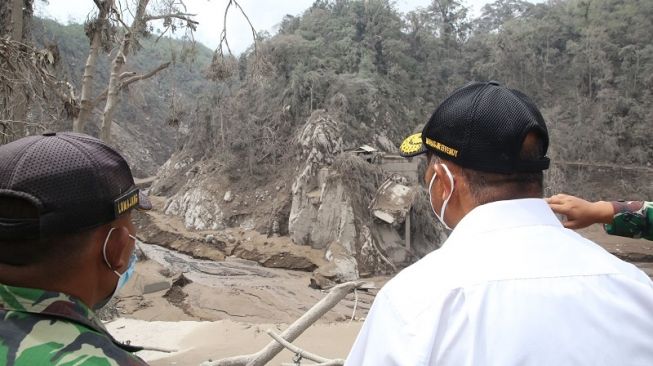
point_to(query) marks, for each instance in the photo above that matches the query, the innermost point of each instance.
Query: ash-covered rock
(198, 208)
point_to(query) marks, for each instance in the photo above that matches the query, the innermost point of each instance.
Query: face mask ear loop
(432, 180)
(104, 251)
(446, 201)
(444, 206)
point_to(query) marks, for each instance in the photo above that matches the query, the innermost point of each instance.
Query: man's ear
(428, 174)
(117, 248)
(443, 180)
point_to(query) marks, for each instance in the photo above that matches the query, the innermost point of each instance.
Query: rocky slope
(322, 199)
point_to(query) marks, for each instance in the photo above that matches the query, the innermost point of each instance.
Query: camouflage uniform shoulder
(633, 219)
(40, 327)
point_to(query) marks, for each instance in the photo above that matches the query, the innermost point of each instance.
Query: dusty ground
(211, 294)
(197, 342)
(223, 308)
(233, 289)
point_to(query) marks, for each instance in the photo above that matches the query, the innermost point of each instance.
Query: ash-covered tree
(15, 17)
(30, 96)
(120, 24)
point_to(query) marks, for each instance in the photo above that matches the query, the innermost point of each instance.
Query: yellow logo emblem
(412, 144)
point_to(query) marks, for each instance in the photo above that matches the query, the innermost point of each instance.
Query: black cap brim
(412, 146)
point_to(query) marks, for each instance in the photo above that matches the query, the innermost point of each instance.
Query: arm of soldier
(633, 219)
(580, 213)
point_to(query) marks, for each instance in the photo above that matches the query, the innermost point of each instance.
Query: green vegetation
(588, 64)
(380, 73)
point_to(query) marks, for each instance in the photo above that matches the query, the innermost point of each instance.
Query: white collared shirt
(511, 286)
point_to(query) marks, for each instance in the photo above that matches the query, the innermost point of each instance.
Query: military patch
(126, 202)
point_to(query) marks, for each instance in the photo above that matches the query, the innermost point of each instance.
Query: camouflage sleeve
(633, 219)
(58, 343)
(37, 328)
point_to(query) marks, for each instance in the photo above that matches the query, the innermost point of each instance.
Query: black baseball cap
(75, 181)
(482, 126)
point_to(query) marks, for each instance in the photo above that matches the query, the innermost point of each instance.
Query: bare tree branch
(251, 27)
(303, 354)
(132, 79)
(148, 75)
(223, 34)
(162, 34)
(27, 85)
(180, 16)
(126, 74)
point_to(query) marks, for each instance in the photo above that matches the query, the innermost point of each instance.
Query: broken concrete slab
(382, 215)
(392, 201)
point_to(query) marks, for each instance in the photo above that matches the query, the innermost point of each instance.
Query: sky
(264, 14)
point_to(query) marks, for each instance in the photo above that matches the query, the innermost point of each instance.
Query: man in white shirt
(510, 286)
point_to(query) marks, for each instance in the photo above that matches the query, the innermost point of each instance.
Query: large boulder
(335, 218)
(342, 267)
(320, 142)
(198, 209)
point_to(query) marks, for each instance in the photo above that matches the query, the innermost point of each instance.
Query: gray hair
(487, 187)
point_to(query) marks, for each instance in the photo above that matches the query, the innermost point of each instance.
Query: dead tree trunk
(86, 105)
(15, 14)
(114, 89)
(117, 64)
(86, 97)
(17, 20)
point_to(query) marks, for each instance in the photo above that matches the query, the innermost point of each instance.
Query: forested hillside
(151, 109)
(380, 73)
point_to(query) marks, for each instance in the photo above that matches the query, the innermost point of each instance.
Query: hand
(580, 213)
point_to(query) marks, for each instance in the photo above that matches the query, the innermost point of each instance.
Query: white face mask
(122, 277)
(446, 201)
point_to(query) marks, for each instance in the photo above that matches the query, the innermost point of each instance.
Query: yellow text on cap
(442, 147)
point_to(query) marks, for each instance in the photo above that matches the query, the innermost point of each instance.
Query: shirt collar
(502, 215)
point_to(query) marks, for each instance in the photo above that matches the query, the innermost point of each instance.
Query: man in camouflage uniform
(633, 219)
(66, 246)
